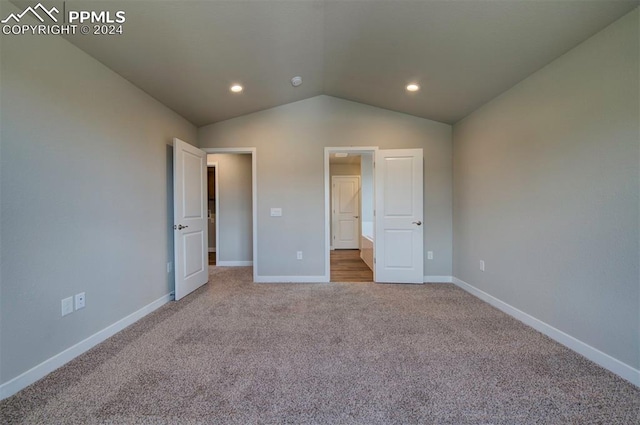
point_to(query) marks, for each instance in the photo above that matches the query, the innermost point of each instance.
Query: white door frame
(327, 200)
(216, 207)
(254, 199)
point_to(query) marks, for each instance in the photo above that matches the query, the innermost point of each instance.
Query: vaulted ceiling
(187, 54)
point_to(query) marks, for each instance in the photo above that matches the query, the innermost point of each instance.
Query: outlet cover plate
(80, 300)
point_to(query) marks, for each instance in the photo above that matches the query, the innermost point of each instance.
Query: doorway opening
(212, 209)
(232, 207)
(349, 212)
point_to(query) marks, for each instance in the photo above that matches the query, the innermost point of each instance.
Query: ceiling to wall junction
(187, 54)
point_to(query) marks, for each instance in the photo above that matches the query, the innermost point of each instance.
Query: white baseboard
(438, 279)
(234, 263)
(606, 361)
(212, 249)
(292, 279)
(27, 378)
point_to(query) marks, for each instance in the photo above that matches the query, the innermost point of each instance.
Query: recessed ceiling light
(341, 154)
(236, 88)
(296, 81)
(413, 87)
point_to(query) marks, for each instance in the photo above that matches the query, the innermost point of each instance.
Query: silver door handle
(419, 223)
(180, 227)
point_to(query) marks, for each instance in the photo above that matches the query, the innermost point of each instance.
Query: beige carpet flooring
(236, 352)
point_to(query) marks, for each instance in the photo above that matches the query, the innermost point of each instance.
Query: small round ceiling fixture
(236, 88)
(413, 87)
(296, 81)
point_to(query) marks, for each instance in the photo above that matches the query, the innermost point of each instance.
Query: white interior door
(399, 237)
(190, 217)
(346, 212)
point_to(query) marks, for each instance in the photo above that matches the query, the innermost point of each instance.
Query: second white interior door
(346, 212)
(399, 206)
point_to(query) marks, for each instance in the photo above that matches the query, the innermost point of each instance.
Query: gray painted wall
(290, 141)
(366, 167)
(235, 216)
(546, 192)
(85, 197)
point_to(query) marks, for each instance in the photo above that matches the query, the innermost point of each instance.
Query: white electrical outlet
(67, 306)
(169, 267)
(429, 255)
(80, 299)
(481, 265)
(299, 255)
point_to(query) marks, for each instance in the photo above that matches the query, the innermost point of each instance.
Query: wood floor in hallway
(347, 266)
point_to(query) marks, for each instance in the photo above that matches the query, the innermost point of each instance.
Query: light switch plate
(67, 306)
(276, 212)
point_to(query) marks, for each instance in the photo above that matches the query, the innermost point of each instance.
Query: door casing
(327, 180)
(327, 200)
(216, 208)
(254, 199)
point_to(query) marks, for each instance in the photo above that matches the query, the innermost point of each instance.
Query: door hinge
(374, 260)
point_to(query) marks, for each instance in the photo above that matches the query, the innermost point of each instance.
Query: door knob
(356, 216)
(180, 227)
(419, 223)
